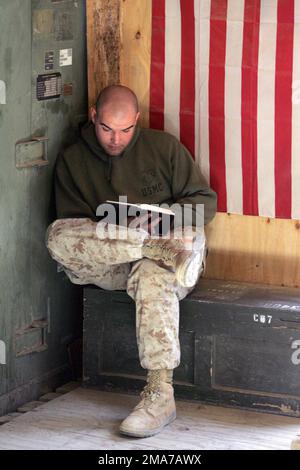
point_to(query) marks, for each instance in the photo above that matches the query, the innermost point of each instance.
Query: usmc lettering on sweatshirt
(150, 190)
(150, 183)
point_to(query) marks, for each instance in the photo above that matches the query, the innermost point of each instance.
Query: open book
(157, 220)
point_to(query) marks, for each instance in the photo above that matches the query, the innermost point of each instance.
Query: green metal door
(42, 100)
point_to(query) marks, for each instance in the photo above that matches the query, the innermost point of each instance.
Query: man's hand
(146, 222)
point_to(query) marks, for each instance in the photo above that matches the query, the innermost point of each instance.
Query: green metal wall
(40, 310)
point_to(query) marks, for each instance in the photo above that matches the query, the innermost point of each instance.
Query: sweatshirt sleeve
(69, 202)
(190, 187)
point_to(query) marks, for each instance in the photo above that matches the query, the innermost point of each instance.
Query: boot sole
(150, 433)
(189, 273)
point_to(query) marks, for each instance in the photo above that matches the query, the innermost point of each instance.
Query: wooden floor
(89, 419)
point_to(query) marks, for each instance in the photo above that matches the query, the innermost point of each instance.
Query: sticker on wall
(48, 86)
(65, 57)
(67, 89)
(43, 23)
(64, 25)
(2, 92)
(49, 60)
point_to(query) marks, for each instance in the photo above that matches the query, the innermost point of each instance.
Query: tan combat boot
(187, 263)
(296, 443)
(156, 409)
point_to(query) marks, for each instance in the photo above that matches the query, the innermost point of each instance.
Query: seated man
(115, 157)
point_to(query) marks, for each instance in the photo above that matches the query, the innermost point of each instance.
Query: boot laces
(166, 250)
(152, 390)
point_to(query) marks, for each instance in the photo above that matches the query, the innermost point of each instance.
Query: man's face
(114, 130)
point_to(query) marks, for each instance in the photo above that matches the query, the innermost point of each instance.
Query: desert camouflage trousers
(113, 260)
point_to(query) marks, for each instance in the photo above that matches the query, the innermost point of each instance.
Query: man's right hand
(146, 222)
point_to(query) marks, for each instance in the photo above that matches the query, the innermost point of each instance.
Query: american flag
(225, 80)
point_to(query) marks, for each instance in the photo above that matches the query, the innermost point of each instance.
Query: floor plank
(89, 419)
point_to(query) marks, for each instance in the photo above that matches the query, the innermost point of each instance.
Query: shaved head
(118, 99)
(115, 117)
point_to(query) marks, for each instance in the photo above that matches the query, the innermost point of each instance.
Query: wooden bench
(240, 345)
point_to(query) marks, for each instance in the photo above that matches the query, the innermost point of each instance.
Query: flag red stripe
(187, 82)
(283, 107)
(216, 87)
(157, 73)
(249, 106)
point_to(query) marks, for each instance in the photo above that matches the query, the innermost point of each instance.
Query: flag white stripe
(197, 81)
(266, 108)
(202, 34)
(172, 67)
(233, 91)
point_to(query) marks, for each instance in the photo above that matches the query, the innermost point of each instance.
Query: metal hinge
(32, 152)
(32, 338)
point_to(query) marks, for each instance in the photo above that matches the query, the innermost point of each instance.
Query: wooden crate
(240, 345)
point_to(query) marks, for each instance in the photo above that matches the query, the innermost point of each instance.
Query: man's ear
(137, 117)
(93, 114)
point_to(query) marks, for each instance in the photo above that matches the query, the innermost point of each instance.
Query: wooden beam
(135, 51)
(103, 45)
(254, 249)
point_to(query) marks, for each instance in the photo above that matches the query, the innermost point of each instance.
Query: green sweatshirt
(155, 168)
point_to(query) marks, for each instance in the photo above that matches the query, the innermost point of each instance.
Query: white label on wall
(2, 352)
(2, 92)
(65, 57)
